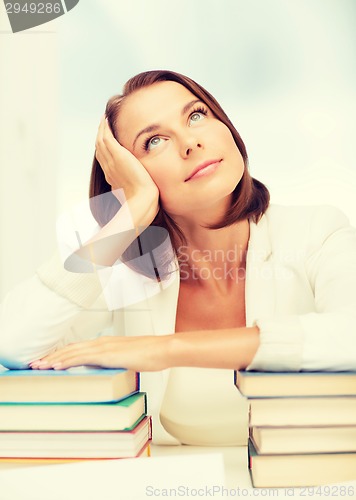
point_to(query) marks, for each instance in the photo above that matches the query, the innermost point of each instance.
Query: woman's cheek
(167, 192)
(222, 131)
(156, 166)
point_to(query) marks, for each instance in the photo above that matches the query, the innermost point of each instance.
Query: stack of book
(302, 427)
(49, 416)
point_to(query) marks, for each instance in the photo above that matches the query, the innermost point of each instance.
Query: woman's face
(190, 155)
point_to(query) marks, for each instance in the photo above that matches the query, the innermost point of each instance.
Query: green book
(113, 416)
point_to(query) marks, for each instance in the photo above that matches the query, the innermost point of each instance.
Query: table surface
(235, 460)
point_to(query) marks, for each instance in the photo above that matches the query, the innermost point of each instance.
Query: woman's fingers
(79, 352)
(121, 168)
(108, 153)
(108, 137)
(102, 153)
(137, 353)
(91, 352)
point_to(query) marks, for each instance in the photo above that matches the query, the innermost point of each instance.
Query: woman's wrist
(143, 208)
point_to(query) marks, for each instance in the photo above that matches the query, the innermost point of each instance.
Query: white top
(300, 290)
(202, 407)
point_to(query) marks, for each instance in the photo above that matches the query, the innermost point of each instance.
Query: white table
(195, 469)
(235, 461)
(104, 478)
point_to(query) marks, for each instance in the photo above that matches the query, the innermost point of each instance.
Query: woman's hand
(121, 168)
(136, 353)
(138, 195)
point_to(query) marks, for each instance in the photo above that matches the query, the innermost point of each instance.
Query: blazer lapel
(260, 279)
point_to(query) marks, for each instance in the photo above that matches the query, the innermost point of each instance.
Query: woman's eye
(153, 143)
(197, 116)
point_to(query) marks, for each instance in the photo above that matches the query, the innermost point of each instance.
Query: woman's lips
(205, 168)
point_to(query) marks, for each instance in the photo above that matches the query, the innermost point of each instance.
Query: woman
(285, 301)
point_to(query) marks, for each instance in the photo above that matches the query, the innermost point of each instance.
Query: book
(13, 462)
(112, 416)
(297, 470)
(289, 440)
(96, 444)
(299, 411)
(77, 385)
(302, 427)
(278, 384)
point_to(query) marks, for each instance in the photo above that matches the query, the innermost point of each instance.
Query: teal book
(74, 385)
(120, 415)
(293, 384)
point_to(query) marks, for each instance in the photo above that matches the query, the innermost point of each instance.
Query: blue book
(74, 385)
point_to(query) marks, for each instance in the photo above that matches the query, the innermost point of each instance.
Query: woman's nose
(189, 144)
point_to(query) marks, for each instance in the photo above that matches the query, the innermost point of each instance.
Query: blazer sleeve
(324, 339)
(52, 308)
(55, 306)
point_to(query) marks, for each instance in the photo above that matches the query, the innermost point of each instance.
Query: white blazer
(300, 291)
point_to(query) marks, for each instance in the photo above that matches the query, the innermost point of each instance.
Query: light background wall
(284, 71)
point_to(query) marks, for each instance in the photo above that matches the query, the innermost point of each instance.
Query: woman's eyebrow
(155, 126)
(189, 105)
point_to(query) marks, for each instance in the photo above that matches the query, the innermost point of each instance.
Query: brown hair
(250, 198)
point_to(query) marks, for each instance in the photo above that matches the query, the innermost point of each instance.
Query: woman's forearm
(107, 246)
(232, 348)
